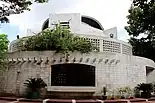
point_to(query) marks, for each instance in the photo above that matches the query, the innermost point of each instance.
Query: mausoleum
(114, 66)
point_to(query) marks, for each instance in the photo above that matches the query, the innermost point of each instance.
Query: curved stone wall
(112, 70)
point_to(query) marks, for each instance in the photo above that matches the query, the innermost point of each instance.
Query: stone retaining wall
(112, 70)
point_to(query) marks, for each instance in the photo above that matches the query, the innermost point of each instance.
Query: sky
(111, 13)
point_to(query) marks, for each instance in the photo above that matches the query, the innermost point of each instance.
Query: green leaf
(60, 40)
(141, 22)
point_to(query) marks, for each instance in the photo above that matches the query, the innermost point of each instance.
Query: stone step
(23, 100)
(8, 98)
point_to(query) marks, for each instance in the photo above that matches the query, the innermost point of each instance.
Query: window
(111, 35)
(72, 75)
(65, 24)
(91, 22)
(45, 25)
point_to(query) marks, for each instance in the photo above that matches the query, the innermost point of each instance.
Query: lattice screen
(126, 49)
(110, 46)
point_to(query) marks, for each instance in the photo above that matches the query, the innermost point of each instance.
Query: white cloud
(109, 12)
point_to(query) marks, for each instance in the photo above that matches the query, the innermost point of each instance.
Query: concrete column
(101, 45)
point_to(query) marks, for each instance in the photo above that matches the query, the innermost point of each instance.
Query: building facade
(112, 67)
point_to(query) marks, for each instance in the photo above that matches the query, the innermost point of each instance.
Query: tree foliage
(141, 21)
(3, 49)
(141, 18)
(59, 40)
(142, 47)
(15, 7)
(145, 87)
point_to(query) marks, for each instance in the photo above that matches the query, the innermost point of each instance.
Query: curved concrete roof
(46, 21)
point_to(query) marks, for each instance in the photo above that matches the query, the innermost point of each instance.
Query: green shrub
(136, 93)
(59, 40)
(146, 89)
(125, 92)
(33, 87)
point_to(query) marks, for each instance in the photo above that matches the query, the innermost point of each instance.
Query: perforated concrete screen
(94, 42)
(110, 46)
(126, 49)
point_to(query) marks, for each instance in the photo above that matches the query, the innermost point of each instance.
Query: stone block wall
(112, 70)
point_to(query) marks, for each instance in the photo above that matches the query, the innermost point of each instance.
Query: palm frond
(35, 84)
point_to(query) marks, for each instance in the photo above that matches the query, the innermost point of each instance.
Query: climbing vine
(60, 40)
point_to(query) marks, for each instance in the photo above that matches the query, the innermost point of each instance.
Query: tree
(142, 47)
(59, 40)
(3, 49)
(141, 18)
(15, 7)
(141, 21)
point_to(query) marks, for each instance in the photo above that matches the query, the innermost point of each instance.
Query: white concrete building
(113, 66)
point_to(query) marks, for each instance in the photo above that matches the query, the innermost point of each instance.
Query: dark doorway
(149, 70)
(72, 75)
